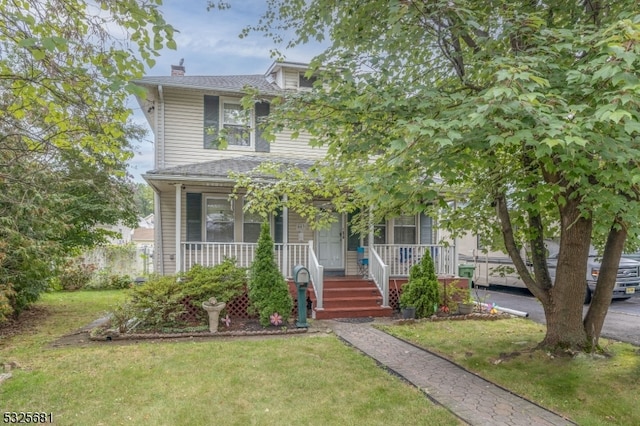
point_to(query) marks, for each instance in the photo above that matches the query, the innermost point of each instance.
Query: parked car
(627, 280)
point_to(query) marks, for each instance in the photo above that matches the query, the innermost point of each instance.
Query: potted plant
(466, 303)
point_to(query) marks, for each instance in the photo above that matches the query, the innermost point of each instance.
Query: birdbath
(213, 307)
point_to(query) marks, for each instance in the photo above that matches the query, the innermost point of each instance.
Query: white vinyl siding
(184, 124)
(291, 79)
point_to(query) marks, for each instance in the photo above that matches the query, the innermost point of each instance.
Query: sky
(209, 43)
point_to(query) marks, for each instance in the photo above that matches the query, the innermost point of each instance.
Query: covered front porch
(365, 288)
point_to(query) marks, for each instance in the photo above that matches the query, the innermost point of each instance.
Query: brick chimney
(178, 70)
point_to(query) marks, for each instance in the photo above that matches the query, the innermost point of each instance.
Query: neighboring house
(147, 221)
(195, 222)
(122, 233)
(144, 239)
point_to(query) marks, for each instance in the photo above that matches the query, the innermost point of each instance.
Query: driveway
(622, 322)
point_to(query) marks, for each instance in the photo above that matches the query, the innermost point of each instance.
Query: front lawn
(310, 379)
(590, 391)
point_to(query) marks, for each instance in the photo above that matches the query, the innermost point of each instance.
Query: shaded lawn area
(590, 391)
(310, 379)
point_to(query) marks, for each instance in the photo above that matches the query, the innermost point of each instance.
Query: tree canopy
(525, 113)
(65, 68)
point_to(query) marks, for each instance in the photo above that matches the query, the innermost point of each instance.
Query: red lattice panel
(394, 298)
(193, 314)
(238, 307)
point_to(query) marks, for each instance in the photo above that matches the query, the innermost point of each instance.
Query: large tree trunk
(608, 273)
(562, 302)
(563, 310)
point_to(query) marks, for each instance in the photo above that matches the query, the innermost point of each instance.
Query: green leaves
(65, 131)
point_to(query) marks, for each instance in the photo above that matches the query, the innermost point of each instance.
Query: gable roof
(220, 169)
(223, 83)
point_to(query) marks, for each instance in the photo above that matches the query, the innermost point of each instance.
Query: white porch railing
(210, 254)
(316, 270)
(400, 257)
(385, 260)
(379, 272)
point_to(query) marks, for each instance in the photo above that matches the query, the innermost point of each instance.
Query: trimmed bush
(163, 301)
(268, 290)
(225, 282)
(157, 303)
(421, 291)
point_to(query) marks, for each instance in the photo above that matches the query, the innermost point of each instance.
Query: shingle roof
(222, 168)
(226, 83)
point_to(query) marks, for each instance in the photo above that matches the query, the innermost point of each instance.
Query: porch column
(455, 249)
(371, 228)
(285, 237)
(178, 227)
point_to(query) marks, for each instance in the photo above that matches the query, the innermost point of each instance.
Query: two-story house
(196, 222)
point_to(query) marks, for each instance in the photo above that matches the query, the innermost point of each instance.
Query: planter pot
(465, 308)
(409, 312)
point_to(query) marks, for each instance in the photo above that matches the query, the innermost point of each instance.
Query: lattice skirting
(237, 308)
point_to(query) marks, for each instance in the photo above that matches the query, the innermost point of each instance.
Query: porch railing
(210, 254)
(400, 257)
(379, 272)
(316, 270)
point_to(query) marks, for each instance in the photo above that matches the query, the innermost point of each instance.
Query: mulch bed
(26, 323)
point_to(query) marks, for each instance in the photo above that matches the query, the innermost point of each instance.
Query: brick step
(332, 313)
(351, 292)
(348, 283)
(353, 302)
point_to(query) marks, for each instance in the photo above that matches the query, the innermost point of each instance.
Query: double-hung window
(404, 230)
(252, 223)
(236, 123)
(242, 128)
(219, 223)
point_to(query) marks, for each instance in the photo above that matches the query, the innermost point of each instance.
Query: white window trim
(252, 142)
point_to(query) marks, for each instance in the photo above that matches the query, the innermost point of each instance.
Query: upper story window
(306, 82)
(236, 122)
(241, 130)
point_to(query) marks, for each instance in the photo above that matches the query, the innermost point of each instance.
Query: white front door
(330, 245)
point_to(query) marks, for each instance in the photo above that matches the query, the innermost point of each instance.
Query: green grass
(312, 379)
(591, 391)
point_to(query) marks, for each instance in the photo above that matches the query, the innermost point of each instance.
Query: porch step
(350, 297)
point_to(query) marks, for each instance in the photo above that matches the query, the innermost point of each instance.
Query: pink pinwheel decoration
(226, 320)
(276, 319)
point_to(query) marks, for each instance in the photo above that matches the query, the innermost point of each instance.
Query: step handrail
(317, 272)
(379, 273)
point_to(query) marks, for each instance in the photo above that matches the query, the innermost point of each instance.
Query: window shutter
(211, 121)
(262, 110)
(194, 217)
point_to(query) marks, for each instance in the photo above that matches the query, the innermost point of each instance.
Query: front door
(330, 248)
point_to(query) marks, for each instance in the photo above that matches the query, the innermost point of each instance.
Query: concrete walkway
(474, 400)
